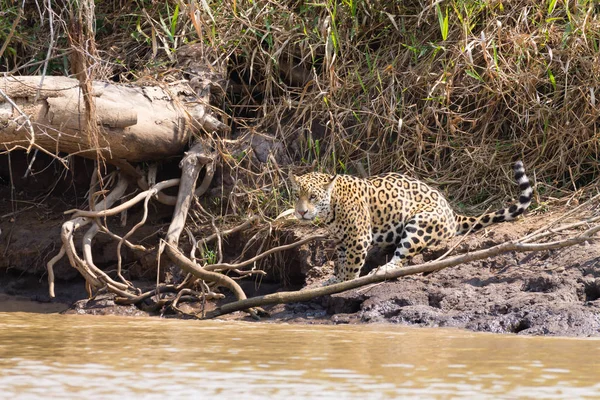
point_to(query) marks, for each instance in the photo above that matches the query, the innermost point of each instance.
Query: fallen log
(136, 123)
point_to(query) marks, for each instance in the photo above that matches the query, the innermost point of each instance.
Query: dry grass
(400, 87)
(449, 91)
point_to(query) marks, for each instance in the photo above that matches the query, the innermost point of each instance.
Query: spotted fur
(388, 209)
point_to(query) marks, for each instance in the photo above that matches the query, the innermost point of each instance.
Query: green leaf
(474, 74)
(174, 20)
(552, 79)
(445, 26)
(551, 6)
(443, 20)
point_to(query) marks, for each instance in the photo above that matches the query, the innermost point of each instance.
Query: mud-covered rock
(104, 304)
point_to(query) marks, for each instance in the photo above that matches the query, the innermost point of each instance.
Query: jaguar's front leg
(352, 253)
(356, 253)
(354, 231)
(338, 266)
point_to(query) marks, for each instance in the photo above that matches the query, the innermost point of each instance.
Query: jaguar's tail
(465, 224)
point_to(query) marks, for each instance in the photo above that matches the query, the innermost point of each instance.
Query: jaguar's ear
(329, 186)
(293, 180)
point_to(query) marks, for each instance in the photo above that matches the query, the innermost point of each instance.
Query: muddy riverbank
(544, 293)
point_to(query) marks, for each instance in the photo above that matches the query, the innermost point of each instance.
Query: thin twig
(128, 204)
(226, 232)
(219, 242)
(50, 47)
(224, 266)
(540, 233)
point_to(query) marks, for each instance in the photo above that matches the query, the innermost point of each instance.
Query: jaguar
(390, 209)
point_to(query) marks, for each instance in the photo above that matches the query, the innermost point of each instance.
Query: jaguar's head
(313, 195)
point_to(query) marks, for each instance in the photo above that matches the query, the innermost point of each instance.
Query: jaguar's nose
(302, 212)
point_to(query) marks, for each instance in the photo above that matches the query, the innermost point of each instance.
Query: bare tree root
(172, 200)
(197, 158)
(191, 166)
(94, 277)
(521, 245)
(127, 243)
(124, 206)
(50, 268)
(124, 238)
(87, 253)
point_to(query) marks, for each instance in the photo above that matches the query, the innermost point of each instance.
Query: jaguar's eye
(312, 197)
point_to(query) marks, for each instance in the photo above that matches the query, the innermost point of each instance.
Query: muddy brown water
(71, 356)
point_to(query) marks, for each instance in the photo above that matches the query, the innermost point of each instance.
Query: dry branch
(305, 295)
(226, 232)
(225, 266)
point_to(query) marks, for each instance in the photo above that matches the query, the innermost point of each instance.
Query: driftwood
(137, 123)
